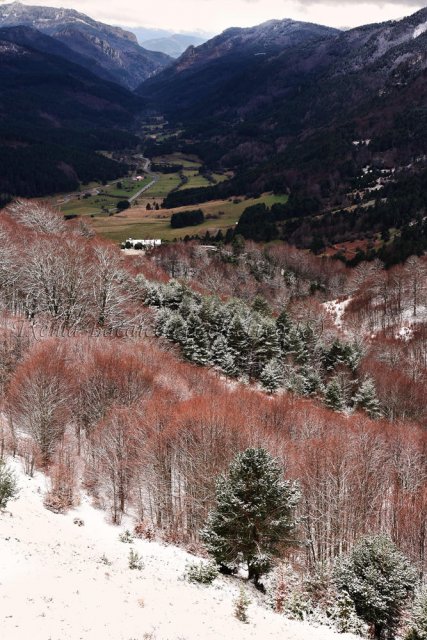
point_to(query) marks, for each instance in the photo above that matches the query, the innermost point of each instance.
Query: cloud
(217, 15)
(383, 4)
(352, 13)
(415, 4)
(410, 5)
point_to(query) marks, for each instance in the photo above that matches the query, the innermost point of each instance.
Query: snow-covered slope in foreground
(53, 585)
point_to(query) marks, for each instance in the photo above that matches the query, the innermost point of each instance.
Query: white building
(144, 243)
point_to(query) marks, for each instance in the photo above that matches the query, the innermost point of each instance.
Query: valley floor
(54, 585)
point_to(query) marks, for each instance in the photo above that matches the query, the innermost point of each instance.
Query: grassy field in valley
(139, 223)
(98, 204)
(178, 158)
(100, 200)
(88, 202)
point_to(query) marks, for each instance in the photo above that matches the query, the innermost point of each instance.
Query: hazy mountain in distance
(168, 42)
(151, 33)
(147, 33)
(113, 49)
(174, 45)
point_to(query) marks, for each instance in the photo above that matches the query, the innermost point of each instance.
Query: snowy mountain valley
(213, 330)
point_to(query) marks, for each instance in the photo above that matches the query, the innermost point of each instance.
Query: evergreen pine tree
(211, 317)
(219, 238)
(294, 381)
(311, 381)
(272, 376)
(260, 306)
(354, 356)
(238, 342)
(379, 579)
(333, 395)
(296, 346)
(283, 325)
(333, 355)
(310, 339)
(162, 320)
(188, 305)
(174, 293)
(341, 354)
(304, 381)
(254, 515)
(221, 356)
(343, 614)
(175, 328)
(228, 366)
(366, 398)
(219, 350)
(8, 485)
(241, 604)
(418, 629)
(265, 344)
(196, 346)
(153, 295)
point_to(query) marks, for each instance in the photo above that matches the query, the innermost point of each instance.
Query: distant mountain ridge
(112, 52)
(201, 71)
(268, 38)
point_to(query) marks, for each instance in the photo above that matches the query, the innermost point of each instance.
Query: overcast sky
(216, 15)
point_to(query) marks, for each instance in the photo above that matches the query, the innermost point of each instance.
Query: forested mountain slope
(290, 117)
(228, 60)
(53, 115)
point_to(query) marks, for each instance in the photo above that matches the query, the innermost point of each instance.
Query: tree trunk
(253, 574)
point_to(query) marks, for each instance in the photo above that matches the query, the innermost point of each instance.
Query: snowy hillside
(54, 584)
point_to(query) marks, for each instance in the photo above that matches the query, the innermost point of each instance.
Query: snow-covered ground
(54, 586)
(337, 308)
(404, 329)
(409, 322)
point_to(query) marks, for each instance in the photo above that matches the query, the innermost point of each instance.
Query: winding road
(96, 191)
(147, 170)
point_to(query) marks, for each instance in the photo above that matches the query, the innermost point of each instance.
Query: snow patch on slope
(53, 584)
(12, 49)
(418, 31)
(337, 308)
(409, 322)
